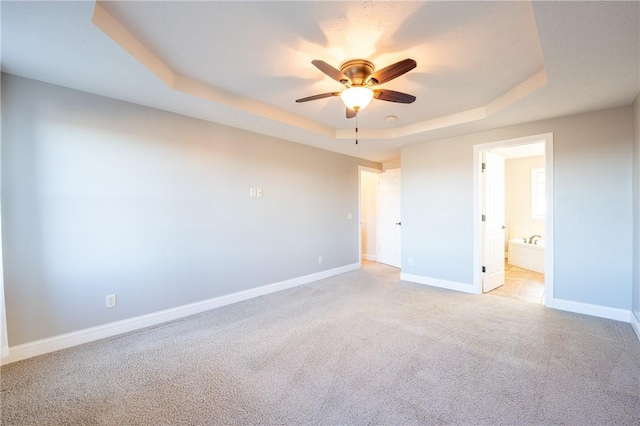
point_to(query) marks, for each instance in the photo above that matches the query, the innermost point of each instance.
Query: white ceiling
(480, 64)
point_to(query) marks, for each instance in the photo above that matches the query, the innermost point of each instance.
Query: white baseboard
(635, 324)
(435, 282)
(593, 310)
(67, 340)
(371, 257)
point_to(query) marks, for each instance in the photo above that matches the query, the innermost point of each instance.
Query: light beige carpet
(360, 348)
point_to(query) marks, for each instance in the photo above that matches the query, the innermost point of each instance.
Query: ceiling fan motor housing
(359, 71)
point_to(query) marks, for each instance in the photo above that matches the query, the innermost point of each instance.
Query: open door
(493, 221)
(389, 231)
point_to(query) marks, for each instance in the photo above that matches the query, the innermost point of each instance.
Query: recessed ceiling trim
(118, 33)
(213, 94)
(126, 40)
(523, 89)
(441, 122)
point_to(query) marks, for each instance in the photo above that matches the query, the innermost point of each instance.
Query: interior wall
(517, 173)
(592, 205)
(106, 197)
(391, 164)
(636, 209)
(4, 341)
(369, 215)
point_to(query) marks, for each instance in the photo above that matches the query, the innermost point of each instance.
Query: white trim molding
(593, 310)
(436, 282)
(635, 324)
(67, 340)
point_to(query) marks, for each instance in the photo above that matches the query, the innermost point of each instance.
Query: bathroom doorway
(513, 236)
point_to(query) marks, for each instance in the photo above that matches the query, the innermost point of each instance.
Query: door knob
(398, 223)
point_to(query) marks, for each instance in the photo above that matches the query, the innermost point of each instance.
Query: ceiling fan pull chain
(356, 130)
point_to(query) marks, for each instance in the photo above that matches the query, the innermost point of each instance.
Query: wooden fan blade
(393, 96)
(351, 112)
(330, 71)
(320, 96)
(393, 71)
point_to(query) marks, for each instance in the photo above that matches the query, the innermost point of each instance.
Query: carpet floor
(359, 348)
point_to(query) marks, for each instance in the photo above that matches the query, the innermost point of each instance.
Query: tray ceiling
(243, 64)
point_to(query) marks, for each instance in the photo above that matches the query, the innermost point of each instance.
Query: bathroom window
(537, 193)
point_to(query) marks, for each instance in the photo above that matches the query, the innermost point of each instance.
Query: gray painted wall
(636, 208)
(102, 196)
(593, 205)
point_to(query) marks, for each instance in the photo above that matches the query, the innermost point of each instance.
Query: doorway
(389, 218)
(380, 216)
(492, 231)
(368, 214)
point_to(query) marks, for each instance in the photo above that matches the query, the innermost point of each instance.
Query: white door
(493, 229)
(389, 225)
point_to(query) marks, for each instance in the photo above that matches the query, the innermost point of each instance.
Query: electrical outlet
(112, 301)
(259, 192)
(320, 259)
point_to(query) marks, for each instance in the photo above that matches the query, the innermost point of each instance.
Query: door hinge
(484, 269)
(484, 167)
(484, 218)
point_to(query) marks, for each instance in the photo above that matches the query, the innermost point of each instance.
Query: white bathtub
(525, 255)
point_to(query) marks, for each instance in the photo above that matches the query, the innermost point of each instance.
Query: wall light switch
(349, 216)
(112, 301)
(252, 192)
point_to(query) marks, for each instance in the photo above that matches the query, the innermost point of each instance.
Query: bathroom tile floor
(521, 284)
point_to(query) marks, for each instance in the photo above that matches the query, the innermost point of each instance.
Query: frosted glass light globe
(356, 98)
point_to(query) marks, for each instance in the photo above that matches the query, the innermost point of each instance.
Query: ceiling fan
(359, 76)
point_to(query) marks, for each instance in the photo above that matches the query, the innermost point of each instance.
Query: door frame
(366, 170)
(548, 225)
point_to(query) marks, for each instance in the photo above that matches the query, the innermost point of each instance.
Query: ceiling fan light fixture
(356, 98)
